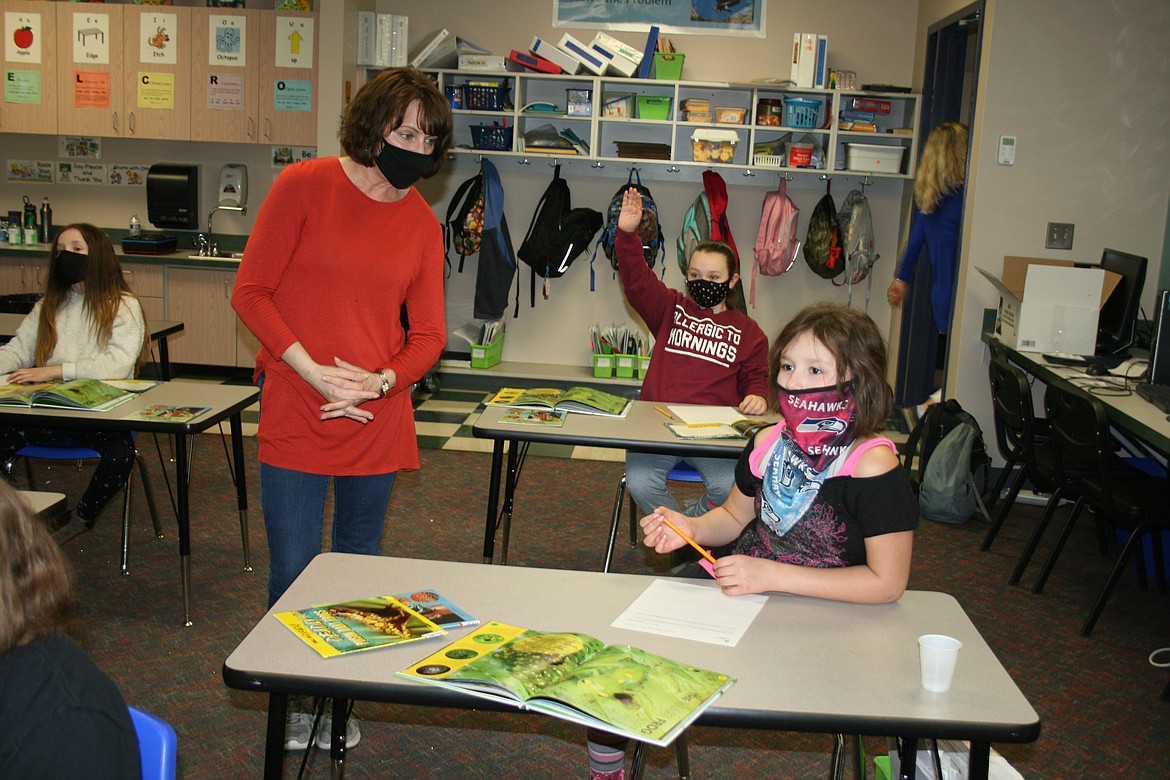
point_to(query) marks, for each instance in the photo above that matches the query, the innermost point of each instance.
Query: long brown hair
(36, 592)
(943, 166)
(856, 345)
(104, 287)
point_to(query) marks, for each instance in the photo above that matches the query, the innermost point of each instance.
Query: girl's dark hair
(379, 107)
(36, 593)
(104, 288)
(853, 340)
(735, 298)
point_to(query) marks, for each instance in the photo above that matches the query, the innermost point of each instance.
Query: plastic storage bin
(643, 365)
(728, 115)
(626, 366)
(479, 97)
(620, 105)
(653, 107)
(801, 112)
(799, 155)
(493, 138)
(487, 355)
(874, 158)
(714, 145)
(668, 66)
(603, 366)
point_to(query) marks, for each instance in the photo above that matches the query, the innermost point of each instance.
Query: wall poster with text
(709, 17)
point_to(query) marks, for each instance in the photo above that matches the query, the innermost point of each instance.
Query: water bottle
(135, 227)
(46, 221)
(30, 220)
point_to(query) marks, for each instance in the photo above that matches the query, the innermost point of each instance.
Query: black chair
(1022, 439)
(1124, 497)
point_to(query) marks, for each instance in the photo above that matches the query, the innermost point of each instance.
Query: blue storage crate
(801, 113)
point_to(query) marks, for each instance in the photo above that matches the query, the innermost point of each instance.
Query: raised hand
(631, 213)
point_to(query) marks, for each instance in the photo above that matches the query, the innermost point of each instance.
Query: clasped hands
(345, 387)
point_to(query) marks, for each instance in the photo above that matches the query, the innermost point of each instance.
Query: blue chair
(682, 472)
(71, 450)
(158, 746)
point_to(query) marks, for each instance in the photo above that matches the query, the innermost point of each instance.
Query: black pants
(117, 458)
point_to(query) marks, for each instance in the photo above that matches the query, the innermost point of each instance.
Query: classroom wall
(1083, 88)
(872, 38)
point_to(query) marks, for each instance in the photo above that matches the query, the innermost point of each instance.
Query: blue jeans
(646, 480)
(294, 516)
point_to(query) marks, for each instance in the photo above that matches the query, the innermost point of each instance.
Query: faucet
(206, 244)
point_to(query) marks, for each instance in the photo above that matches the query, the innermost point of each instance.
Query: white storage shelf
(601, 131)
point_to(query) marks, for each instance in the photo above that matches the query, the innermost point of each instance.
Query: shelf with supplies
(747, 126)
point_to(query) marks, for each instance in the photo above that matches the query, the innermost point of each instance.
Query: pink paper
(707, 566)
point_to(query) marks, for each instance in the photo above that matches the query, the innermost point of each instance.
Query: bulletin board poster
(22, 37)
(91, 89)
(91, 39)
(157, 42)
(228, 39)
(25, 171)
(79, 146)
(294, 42)
(156, 90)
(705, 17)
(292, 95)
(81, 173)
(128, 175)
(22, 86)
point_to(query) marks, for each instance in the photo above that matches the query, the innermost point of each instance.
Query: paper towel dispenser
(172, 196)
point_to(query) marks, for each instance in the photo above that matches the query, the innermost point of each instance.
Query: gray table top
(643, 429)
(803, 665)
(41, 501)
(9, 322)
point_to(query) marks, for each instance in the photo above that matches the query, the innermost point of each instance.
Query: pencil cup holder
(643, 365)
(625, 366)
(603, 366)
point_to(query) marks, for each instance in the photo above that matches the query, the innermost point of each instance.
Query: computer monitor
(1115, 328)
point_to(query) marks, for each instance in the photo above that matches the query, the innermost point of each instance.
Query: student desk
(159, 330)
(43, 503)
(225, 402)
(804, 664)
(643, 429)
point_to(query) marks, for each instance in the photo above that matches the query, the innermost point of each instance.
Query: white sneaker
(297, 728)
(353, 731)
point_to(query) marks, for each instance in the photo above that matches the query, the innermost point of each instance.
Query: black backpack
(653, 241)
(949, 448)
(822, 246)
(557, 235)
(463, 227)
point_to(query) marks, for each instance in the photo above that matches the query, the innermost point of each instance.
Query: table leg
(979, 760)
(237, 428)
(184, 517)
(908, 757)
(493, 502)
(639, 761)
(164, 359)
(510, 480)
(274, 740)
(337, 738)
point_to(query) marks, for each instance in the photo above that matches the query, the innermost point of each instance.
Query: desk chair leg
(127, 490)
(1008, 501)
(1127, 552)
(837, 762)
(1050, 564)
(237, 431)
(1000, 481)
(639, 760)
(617, 519)
(1034, 541)
(149, 490)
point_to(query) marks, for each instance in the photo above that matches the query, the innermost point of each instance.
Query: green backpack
(822, 246)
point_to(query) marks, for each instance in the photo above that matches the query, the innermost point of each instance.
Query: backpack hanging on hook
(857, 243)
(650, 229)
(778, 240)
(822, 245)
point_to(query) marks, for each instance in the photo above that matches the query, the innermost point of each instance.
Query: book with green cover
(575, 677)
(90, 394)
(364, 624)
(585, 400)
(549, 418)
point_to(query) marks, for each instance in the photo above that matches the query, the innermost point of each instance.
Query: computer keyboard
(1080, 361)
(1158, 395)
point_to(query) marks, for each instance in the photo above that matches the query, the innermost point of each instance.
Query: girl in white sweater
(88, 325)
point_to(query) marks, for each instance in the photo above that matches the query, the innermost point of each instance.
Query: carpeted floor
(1097, 697)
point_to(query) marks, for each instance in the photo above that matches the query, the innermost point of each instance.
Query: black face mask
(402, 167)
(706, 293)
(68, 268)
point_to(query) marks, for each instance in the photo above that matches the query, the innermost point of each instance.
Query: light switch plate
(1059, 235)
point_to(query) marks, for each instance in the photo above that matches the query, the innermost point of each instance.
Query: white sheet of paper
(690, 611)
(703, 413)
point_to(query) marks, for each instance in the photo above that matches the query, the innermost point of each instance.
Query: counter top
(179, 257)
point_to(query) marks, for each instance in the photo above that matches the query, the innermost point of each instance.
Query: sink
(218, 256)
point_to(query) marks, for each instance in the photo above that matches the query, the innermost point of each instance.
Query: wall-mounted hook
(825, 177)
(673, 169)
(598, 164)
(786, 176)
(749, 173)
(553, 163)
(522, 161)
(865, 182)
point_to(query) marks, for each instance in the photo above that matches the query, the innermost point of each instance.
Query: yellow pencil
(668, 414)
(689, 540)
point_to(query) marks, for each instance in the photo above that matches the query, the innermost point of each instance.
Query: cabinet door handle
(268, 128)
(227, 288)
(114, 120)
(130, 122)
(38, 276)
(251, 127)
(22, 283)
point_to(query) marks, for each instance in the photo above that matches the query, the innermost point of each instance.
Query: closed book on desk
(352, 626)
(575, 677)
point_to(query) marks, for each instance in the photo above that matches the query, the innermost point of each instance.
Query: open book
(740, 429)
(90, 394)
(352, 626)
(575, 677)
(585, 400)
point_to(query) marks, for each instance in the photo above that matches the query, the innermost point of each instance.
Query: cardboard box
(1050, 305)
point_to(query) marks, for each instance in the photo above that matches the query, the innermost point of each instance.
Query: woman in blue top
(938, 201)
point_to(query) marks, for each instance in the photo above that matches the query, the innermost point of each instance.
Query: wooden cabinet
(25, 274)
(157, 72)
(225, 45)
(201, 298)
(744, 126)
(89, 69)
(148, 282)
(288, 79)
(29, 53)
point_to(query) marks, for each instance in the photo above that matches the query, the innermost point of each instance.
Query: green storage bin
(626, 366)
(487, 355)
(603, 366)
(643, 365)
(881, 767)
(668, 66)
(653, 107)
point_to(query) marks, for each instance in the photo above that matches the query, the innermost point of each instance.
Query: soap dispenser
(233, 185)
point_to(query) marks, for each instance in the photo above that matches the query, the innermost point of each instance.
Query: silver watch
(385, 386)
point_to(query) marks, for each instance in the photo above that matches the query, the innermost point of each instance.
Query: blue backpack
(653, 242)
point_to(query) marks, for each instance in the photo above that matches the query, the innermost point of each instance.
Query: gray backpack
(948, 445)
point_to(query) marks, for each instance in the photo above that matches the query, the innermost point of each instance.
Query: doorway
(951, 76)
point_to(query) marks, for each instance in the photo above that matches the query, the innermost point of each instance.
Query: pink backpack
(777, 242)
